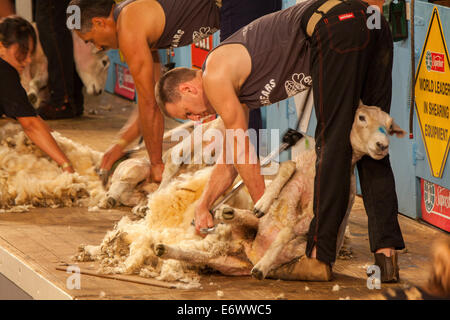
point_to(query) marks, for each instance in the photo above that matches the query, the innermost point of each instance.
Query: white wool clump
(29, 178)
(128, 248)
(335, 288)
(174, 270)
(220, 293)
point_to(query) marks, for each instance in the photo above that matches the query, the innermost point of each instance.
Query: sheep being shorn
(288, 206)
(29, 178)
(241, 241)
(129, 247)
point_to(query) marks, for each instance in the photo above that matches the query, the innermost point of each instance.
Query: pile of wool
(28, 177)
(129, 247)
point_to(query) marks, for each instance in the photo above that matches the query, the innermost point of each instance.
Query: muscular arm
(135, 48)
(131, 130)
(38, 132)
(221, 82)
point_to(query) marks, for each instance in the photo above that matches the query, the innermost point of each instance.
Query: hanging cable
(413, 73)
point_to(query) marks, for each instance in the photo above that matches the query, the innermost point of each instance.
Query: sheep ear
(399, 132)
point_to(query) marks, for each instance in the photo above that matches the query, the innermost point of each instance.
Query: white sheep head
(370, 132)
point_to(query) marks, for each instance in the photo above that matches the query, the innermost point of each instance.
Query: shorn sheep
(164, 245)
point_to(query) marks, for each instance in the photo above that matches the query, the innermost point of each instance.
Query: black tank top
(280, 55)
(187, 21)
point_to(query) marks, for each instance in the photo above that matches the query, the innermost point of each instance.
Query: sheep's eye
(362, 118)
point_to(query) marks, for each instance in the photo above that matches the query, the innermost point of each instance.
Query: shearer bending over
(140, 27)
(17, 45)
(276, 57)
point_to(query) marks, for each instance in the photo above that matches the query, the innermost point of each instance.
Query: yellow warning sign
(433, 96)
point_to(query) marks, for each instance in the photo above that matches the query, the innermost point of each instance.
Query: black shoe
(388, 267)
(50, 112)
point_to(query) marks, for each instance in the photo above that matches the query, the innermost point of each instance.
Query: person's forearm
(253, 180)
(152, 127)
(38, 133)
(221, 179)
(153, 134)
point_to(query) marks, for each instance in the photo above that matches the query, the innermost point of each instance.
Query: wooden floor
(44, 239)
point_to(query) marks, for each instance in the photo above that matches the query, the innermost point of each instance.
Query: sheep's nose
(381, 146)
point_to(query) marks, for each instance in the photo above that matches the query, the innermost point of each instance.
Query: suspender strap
(316, 16)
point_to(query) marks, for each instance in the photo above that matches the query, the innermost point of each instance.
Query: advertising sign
(433, 96)
(435, 205)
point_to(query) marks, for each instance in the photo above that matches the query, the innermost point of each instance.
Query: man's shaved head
(166, 90)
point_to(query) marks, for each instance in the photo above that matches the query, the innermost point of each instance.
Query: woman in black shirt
(17, 44)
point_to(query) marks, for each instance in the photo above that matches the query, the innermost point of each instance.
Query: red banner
(435, 205)
(124, 83)
(200, 50)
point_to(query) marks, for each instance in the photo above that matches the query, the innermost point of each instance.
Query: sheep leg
(238, 217)
(227, 265)
(351, 200)
(116, 191)
(287, 169)
(191, 256)
(262, 268)
(170, 170)
(184, 151)
(231, 265)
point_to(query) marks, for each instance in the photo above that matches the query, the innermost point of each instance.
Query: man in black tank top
(345, 61)
(138, 28)
(134, 26)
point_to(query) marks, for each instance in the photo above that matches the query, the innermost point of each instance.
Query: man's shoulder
(229, 57)
(141, 11)
(143, 17)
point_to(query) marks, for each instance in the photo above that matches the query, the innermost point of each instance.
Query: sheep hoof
(111, 202)
(258, 213)
(228, 214)
(160, 249)
(257, 274)
(32, 97)
(143, 209)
